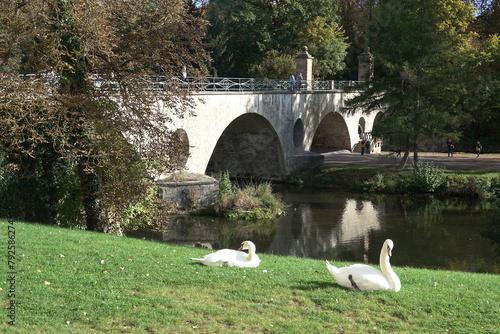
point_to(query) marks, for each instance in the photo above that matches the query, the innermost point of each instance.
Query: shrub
(23, 197)
(468, 186)
(251, 201)
(426, 177)
(386, 183)
(225, 186)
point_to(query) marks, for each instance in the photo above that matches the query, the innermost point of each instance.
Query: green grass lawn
(70, 281)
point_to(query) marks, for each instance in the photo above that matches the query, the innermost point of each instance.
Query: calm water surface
(321, 224)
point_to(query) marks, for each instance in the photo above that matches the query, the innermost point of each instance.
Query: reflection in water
(188, 231)
(424, 211)
(207, 232)
(427, 233)
(301, 235)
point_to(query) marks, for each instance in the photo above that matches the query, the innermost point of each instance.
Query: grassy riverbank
(387, 179)
(70, 281)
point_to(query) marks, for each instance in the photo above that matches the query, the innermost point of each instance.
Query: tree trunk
(49, 162)
(415, 158)
(90, 186)
(404, 160)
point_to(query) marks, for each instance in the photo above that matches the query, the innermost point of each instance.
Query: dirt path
(490, 162)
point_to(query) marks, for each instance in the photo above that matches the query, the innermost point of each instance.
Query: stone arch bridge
(268, 134)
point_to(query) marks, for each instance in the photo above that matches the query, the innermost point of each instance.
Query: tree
(481, 92)
(488, 17)
(355, 16)
(86, 117)
(414, 44)
(245, 36)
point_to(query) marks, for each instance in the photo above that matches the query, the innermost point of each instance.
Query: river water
(321, 224)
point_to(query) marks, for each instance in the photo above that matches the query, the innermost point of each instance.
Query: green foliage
(386, 180)
(274, 65)
(481, 92)
(352, 177)
(474, 187)
(28, 197)
(130, 199)
(79, 155)
(426, 177)
(415, 44)
(245, 37)
(252, 201)
(385, 183)
(409, 33)
(5, 180)
(295, 179)
(70, 212)
(226, 187)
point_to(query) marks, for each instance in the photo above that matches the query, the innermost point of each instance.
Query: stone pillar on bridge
(304, 69)
(365, 66)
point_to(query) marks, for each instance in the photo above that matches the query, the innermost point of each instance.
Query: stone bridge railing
(218, 84)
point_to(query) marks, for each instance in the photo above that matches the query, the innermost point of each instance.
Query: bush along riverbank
(383, 179)
(72, 281)
(249, 201)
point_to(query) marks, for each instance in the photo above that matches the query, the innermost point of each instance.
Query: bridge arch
(377, 141)
(332, 134)
(179, 146)
(248, 147)
(377, 119)
(361, 127)
(298, 134)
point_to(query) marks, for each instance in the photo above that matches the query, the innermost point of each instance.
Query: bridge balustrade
(219, 84)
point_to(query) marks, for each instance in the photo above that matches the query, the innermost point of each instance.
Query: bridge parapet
(219, 84)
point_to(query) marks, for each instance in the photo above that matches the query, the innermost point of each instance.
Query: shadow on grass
(313, 285)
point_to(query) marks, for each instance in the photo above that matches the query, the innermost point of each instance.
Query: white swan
(232, 258)
(363, 277)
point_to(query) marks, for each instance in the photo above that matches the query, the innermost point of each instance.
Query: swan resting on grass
(231, 257)
(366, 278)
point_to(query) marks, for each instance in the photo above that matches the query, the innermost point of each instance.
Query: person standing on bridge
(292, 83)
(300, 79)
(363, 147)
(184, 74)
(479, 148)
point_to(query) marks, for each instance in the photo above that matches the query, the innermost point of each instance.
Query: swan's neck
(251, 253)
(386, 268)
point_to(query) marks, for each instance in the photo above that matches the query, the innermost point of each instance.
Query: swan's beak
(244, 250)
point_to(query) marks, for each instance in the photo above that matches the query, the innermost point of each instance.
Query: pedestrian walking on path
(451, 147)
(479, 148)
